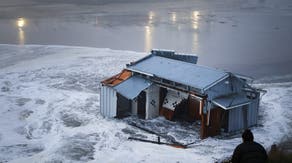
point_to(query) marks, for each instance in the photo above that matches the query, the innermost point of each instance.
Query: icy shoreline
(50, 111)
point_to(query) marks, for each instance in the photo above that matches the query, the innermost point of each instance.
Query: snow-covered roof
(231, 101)
(132, 87)
(193, 75)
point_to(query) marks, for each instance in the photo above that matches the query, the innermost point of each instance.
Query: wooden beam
(201, 107)
(208, 117)
(159, 142)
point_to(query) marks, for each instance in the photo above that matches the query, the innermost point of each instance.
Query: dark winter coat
(249, 152)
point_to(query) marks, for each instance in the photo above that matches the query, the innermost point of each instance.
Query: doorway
(142, 105)
(123, 106)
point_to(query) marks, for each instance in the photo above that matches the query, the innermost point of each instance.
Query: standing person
(249, 151)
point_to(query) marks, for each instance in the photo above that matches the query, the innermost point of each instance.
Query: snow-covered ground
(49, 98)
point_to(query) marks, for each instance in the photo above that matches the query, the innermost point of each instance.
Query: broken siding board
(168, 114)
(173, 98)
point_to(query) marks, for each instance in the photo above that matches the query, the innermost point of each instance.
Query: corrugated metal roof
(132, 87)
(199, 77)
(231, 101)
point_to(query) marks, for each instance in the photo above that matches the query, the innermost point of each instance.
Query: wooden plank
(158, 134)
(159, 143)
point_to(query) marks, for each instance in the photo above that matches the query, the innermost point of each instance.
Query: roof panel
(231, 101)
(181, 72)
(132, 87)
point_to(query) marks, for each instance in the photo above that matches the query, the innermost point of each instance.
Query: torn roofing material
(132, 87)
(193, 75)
(117, 79)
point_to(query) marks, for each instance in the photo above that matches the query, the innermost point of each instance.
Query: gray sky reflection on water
(249, 38)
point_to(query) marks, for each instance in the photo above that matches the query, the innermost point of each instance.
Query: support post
(203, 129)
(201, 107)
(208, 117)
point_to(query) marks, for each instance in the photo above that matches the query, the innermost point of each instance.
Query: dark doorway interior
(224, 120)
(245, 114)
(181, 111)
(142, 105)
(123, 106)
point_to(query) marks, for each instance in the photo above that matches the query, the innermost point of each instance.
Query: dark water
(252, 37)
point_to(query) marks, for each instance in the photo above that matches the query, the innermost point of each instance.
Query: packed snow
(49, 97)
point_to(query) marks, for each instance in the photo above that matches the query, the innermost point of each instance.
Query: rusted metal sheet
(173, 98)
(117, 79)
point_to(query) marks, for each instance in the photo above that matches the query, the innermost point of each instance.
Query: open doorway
(142, 105)
(123, 106)
(181, 112)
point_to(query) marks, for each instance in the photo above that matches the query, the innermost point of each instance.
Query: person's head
(247, 136)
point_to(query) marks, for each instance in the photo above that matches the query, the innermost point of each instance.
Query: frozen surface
(251, 37)
(49, 98)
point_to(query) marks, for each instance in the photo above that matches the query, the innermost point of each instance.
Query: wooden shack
(175, 86)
